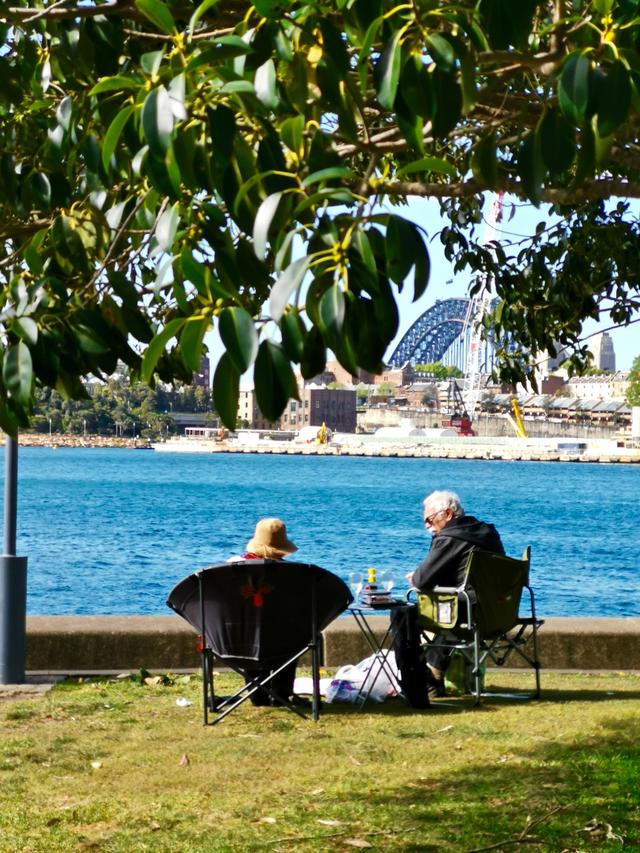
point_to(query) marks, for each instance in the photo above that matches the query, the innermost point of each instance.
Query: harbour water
(110, 531)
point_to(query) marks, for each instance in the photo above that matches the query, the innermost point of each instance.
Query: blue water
(112, 531)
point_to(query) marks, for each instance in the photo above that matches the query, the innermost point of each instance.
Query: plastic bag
(353, 681)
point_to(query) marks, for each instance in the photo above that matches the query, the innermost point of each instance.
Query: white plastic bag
(355, 680)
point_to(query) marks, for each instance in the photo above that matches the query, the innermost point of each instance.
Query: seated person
(454, 535)
(270, 541)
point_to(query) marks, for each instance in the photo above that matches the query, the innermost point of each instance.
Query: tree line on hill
(119, 408)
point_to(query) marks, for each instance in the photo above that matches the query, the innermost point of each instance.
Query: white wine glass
(355, 582)
(385, 580)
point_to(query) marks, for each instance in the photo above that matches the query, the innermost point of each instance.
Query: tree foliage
(168, 167)
(633, 388)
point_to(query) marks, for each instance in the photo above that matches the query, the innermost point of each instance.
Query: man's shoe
(294, 699)
(435, 685)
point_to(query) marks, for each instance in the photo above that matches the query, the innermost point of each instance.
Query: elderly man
(454, 536)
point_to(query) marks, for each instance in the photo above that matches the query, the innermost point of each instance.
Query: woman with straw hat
(270, 542)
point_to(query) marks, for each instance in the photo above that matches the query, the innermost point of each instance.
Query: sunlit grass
(118, 766)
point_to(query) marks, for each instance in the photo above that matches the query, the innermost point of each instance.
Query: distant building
(202, 379)
(249, 414)
(604, 355)
(317, 405)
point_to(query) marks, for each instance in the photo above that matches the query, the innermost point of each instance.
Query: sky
(444, 284)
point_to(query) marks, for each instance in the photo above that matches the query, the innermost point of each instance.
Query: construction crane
(478, 307)
(455, 415)
(516, 421)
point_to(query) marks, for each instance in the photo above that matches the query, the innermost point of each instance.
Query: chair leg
(476, 664)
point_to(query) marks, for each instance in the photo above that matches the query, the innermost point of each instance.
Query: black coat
(445, 563)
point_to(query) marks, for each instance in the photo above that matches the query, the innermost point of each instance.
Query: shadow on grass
(571, 797)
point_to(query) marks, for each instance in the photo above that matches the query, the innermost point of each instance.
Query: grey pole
(13, 579)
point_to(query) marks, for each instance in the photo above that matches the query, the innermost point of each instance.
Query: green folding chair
(490, 626)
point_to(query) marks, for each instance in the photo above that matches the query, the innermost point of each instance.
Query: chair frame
(467, 637)
(230, 703)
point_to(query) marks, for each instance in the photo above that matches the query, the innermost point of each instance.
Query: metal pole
(13, 580)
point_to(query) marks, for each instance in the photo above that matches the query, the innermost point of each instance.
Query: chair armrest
(445, 590)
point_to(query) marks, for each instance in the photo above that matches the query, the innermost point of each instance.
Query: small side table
(379, 648)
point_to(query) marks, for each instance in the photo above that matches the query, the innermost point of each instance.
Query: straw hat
(270, 539)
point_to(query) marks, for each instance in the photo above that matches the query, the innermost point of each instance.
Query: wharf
(464, 448)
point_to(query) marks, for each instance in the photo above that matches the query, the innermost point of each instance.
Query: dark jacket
(444, 564)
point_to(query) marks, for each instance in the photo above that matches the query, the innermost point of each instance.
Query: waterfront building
(336, 408)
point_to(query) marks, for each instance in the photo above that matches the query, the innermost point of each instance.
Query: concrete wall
(77, 644)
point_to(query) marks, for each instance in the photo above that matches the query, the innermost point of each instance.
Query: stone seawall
(92, 644)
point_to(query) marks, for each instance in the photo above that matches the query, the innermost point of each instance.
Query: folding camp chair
(481, 617)
(259, 615)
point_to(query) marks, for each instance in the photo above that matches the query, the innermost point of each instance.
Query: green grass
(118, 766)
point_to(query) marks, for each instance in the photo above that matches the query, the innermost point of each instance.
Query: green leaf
(265, 84)
(167, 227)
(293, 334)
(441, 50)
(613, 99)
(290, 279)
(262, 223)
(191, 347)
(573, 87)
(202, 9)
(314, 354)
(196, 272)
(157, 121)
(429, 164)
(116, 84)
(17, 372)
(399, 248)
(330, 174)
(557, 141)
(531, 167)
(274, 380)
(484, 162)
(332, 311)
(447, 100)
(64, 112)
(388, 70)
(158, 13)
(291, 133)
(239, 337)
(226, 391)
(26, 328)
(157, 347)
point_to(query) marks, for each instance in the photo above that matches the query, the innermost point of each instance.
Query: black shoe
(216, 702)
(435, 685)
(294, 699)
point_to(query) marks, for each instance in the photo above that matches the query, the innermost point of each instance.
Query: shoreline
(485, 448)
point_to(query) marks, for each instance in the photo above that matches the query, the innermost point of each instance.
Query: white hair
(444, 500)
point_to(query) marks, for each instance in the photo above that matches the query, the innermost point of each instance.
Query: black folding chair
(259, 615)
(481, 618)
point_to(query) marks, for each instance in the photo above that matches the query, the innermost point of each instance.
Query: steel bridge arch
(432, 334)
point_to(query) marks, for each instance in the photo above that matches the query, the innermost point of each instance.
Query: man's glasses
(428, 519)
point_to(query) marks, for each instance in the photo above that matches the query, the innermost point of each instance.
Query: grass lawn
(117, 765)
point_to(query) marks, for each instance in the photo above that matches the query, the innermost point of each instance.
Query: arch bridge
(437, 335)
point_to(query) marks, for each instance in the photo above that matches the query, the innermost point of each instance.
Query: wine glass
(385, 580)
(355, 582)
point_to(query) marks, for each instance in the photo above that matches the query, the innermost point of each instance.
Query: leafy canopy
(168, 167)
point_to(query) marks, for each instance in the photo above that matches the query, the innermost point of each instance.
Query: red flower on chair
(257, 593)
